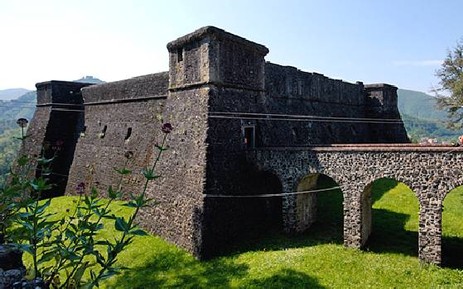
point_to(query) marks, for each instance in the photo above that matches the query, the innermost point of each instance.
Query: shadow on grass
(452, 252)
(177, 269)
(285, 279)
(389, 234)
(388, 228)
(328, 229)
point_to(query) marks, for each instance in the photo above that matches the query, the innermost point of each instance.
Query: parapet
(133, 89)
(216, 33)
(59, 92)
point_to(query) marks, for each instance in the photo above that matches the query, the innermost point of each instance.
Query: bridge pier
(430, 229)
(353, 225)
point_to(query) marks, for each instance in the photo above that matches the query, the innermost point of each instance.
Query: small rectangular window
(249, 137)
(179, 54)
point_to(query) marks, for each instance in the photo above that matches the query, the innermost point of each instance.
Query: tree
(450, 91)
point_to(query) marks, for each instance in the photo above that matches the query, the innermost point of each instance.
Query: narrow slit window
(103, 132)
(249, 137)
(128, 134)
(179, 55)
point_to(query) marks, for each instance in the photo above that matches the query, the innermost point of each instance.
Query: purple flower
(80, 188)
(167, 128)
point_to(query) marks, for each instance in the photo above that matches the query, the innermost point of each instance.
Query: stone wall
(119, 117)
(431, 172)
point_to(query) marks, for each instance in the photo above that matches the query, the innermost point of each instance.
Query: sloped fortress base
(243, 129)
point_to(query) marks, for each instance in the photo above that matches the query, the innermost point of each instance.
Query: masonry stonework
(430, 172)
(243, 127)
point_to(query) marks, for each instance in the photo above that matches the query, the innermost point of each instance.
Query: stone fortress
(243, 128)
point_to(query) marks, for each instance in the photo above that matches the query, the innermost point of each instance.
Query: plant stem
(132, 218)
(34, 239)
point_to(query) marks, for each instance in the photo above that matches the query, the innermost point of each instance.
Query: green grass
(316, 259)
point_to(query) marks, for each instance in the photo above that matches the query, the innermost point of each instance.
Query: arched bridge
(430, 171)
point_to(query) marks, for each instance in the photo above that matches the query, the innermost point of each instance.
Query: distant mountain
(12, 93)
(422, 119)
(419, 105)
(24, 106)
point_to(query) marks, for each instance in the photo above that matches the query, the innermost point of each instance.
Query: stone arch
(396, 216)
(309, 192)
(452, 230)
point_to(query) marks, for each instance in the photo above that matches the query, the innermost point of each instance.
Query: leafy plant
(64, 250)
(450, 91)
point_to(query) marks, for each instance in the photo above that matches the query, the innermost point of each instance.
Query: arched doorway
(452, 229)
(390, 215)
(319, 208)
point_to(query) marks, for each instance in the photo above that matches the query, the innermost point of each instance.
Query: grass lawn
(316, 259)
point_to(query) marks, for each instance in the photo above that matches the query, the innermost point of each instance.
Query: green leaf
(121, 225)
(40, 185)
(161, 148)
(123, 171)
(46, 257)
(138, 232)
(114, 194)
(42, 207)
(26, 248)
(94, 192)
(23, 160)
(149, 174)
(25, 215)
(44, 161)
(130, 204)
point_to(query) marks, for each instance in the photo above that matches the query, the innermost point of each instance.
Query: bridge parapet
(397, 147)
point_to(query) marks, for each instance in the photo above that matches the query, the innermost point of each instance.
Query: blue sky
(396, 42)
